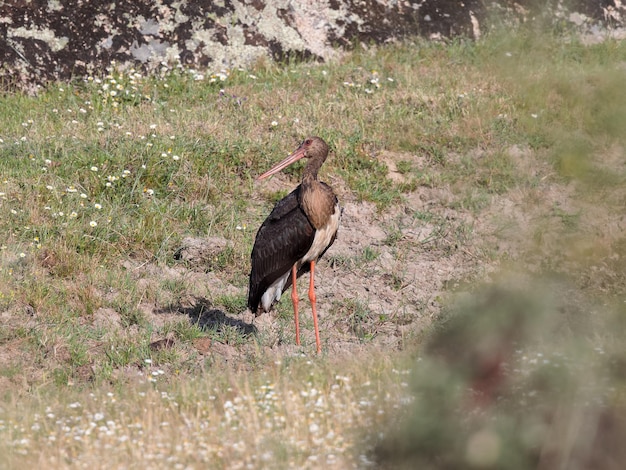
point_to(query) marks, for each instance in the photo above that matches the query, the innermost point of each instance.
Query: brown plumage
(298, 231)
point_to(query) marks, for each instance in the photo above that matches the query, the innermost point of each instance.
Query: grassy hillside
(472, 308)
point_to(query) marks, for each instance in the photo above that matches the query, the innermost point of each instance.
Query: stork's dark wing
(284, 238)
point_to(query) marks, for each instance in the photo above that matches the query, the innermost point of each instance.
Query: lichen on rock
(61, 39)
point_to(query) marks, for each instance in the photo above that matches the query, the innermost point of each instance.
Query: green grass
(511, 157)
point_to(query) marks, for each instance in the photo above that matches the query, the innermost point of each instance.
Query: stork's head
(313, 148)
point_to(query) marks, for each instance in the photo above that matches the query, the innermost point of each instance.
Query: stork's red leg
(313, 299)
(294, 299)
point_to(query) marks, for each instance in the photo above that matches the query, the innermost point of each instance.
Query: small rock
(202, 345)
(201, 251)
(159, 345)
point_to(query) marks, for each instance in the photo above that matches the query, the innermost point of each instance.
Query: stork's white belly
(321, 241)
(322, 238)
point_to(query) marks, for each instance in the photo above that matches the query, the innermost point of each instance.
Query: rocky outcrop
(60, 39)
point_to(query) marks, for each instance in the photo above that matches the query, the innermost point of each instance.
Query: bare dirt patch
(378, 286)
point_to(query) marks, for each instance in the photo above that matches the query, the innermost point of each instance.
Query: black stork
(298, 231)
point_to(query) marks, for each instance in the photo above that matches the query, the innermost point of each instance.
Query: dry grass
(297, 413)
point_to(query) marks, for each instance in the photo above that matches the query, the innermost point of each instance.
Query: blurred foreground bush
(530, 377)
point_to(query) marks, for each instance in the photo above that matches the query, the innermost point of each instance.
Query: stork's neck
(311, 169)
(317, 199)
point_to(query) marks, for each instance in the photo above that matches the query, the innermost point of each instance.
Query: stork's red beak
(294, 157)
